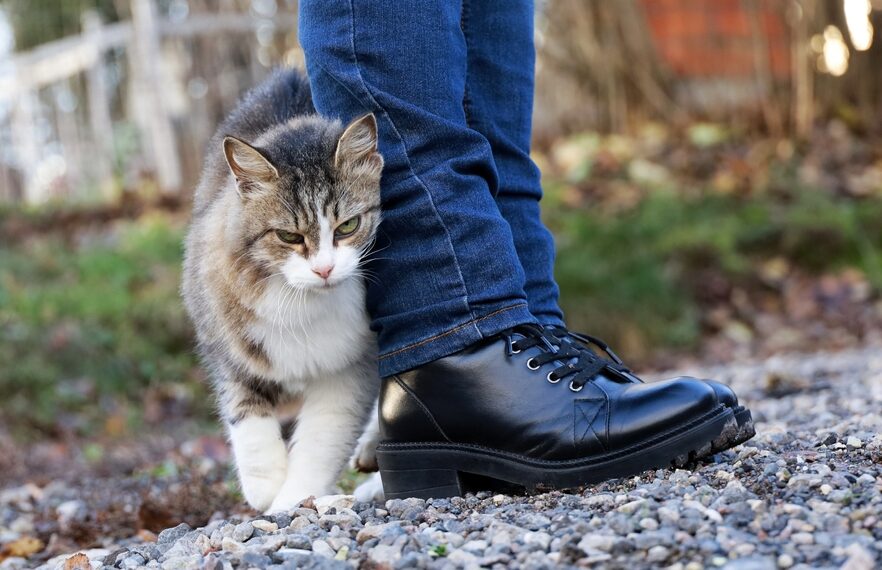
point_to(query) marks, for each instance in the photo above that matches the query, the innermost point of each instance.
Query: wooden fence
(159, 85)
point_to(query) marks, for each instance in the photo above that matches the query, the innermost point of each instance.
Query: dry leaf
(78, 561)
(21, 548)
(308, 503)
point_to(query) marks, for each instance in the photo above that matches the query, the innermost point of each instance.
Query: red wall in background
(714, 38)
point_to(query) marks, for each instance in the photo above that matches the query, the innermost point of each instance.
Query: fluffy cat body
(273, 284)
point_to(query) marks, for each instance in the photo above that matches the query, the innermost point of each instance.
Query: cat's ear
(357, 147)
(250, 167)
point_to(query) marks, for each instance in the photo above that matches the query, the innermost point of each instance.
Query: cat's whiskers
(288, 294)
(291, 302)
(303, 318)
(276, 314)
(366, 255)
(295, 304)
(367, 277)
(270, 276)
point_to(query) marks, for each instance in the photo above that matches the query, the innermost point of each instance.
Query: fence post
(24, 140)
(100, 121)
(153, 117)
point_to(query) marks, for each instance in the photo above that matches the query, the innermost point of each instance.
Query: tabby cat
(286, 211)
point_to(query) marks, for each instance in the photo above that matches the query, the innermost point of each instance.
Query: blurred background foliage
(712, 168)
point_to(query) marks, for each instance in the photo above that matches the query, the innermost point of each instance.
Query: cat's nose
(324, 271)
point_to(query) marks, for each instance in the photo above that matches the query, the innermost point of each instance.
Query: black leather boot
(725, 394)
(526, 409)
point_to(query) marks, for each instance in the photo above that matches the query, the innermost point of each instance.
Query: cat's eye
(289, 237)
(348, 227)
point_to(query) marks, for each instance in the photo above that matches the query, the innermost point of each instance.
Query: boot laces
(579, 363)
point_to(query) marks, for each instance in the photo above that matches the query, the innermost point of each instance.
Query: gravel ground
(806, 492)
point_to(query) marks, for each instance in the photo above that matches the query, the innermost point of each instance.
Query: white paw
(261, 459)
(288, 500)
(365, 457)
(261, 483)
(371, 491)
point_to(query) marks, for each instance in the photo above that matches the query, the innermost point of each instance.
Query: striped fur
(278, 321)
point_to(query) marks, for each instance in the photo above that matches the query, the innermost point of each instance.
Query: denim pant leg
(446, 268)
(499, 105)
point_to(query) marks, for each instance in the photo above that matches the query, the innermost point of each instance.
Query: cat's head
(310, 199)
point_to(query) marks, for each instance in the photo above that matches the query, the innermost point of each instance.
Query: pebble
(243, 531)
(232, 546)
(322, 548)
(785, 561)
(657, 554)
(265, 526)
(170, 535)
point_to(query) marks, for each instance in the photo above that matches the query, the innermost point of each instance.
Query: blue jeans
(462, 253)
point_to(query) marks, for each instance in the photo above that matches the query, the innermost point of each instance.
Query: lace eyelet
(574, 389)
(532, 364)
(550, 379)
(512, 349)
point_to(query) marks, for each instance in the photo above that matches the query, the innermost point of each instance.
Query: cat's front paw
(365, 457)
(288, 501)
(261, 459)
(371, 491)
(261, 483)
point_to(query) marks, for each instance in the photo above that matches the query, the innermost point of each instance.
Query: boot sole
(438, 470)
(746, 429)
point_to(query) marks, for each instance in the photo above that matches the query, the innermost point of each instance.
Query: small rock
(543, 539)
(463, 559)
(298, 541)
(232, 546)
(375, 531)
(859, 558)
(265, 526)
(602, 542)
(322, 548)
(243, 531)
(476, 546)
(632, 506)
(170, 535)
(385, 554)
(322, 504)
(282, 519)
(853, 442)
(657, 554)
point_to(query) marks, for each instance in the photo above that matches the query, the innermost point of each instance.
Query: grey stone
(170, 535)
(242, 531)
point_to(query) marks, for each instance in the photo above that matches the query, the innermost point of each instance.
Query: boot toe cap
(646, 410)
(725, 394)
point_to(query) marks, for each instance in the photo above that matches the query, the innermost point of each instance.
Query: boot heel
(420, 483)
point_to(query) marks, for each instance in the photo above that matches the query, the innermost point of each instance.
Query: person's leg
(447, 269)
(499, 105)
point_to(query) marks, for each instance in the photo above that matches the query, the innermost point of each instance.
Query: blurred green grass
(636, 276)
(89, 320)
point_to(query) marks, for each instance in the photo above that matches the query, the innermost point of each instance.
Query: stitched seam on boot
(422, 406)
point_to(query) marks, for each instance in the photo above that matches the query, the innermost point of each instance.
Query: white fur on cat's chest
(309, 334)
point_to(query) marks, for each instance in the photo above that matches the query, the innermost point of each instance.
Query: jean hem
(453, 340)
(550, 321)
